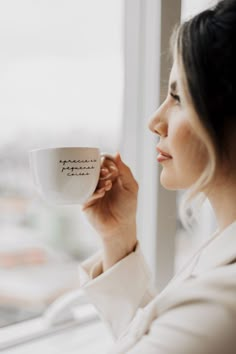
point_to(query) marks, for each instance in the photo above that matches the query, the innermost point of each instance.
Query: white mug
(66, 175)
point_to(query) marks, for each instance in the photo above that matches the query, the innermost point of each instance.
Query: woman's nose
(158, 122)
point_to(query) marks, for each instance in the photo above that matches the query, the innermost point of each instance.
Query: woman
(196, 312)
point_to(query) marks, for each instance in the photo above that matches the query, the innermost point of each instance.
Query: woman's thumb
(125, 174)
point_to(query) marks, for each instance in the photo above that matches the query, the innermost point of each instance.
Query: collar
(219, 252)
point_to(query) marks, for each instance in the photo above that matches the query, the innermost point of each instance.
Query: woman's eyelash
(175, 97)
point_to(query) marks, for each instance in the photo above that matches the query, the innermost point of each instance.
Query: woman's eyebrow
(173, 86)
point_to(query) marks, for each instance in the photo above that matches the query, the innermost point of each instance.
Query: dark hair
(207, 45)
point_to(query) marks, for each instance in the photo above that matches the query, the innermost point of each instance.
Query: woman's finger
(98, 194)
(109, 172)
(125, 175)
(102, 183)
(92, 200)
(104, 172)
(109, 164)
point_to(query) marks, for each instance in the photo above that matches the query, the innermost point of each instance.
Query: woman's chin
(171, 182)
(168, 181)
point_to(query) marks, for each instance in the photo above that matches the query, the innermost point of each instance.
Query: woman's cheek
(188, 157)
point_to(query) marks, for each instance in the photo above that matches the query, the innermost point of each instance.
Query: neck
(223, 201)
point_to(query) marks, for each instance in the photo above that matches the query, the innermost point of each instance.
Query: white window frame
(146, 36)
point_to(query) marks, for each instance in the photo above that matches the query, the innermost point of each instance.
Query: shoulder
(217, 285)
(199, 314)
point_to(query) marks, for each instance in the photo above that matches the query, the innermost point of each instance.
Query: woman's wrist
(118, 248)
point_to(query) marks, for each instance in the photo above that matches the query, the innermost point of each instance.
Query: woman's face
(182, 154)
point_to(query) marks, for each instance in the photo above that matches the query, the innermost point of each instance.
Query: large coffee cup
(66, 175)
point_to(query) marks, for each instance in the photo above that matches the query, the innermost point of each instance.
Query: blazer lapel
(220, 251)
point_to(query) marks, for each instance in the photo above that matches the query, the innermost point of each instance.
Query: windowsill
(85, 332)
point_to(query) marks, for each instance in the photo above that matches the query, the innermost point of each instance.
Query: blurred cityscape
(40, 245)
(61, 68)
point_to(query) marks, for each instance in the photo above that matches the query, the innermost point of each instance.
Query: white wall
(191, 7)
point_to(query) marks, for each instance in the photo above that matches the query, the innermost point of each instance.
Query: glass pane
(61, 84)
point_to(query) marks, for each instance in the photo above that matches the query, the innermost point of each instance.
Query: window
(61, 84)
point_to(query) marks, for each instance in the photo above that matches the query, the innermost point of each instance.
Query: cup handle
(108, 156)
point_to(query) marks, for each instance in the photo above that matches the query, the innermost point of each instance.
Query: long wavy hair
(205, 48)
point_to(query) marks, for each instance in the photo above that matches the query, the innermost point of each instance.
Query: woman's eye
(175, 97)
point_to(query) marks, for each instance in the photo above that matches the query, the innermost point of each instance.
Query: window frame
(146, 68)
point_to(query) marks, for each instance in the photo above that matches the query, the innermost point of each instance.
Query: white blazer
(194, 314)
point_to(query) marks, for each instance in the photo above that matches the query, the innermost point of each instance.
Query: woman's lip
(163, 153)
(161, 158)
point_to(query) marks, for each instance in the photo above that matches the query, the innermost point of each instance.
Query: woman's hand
(112, 210)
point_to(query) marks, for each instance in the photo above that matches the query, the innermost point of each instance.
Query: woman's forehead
(174, 77)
